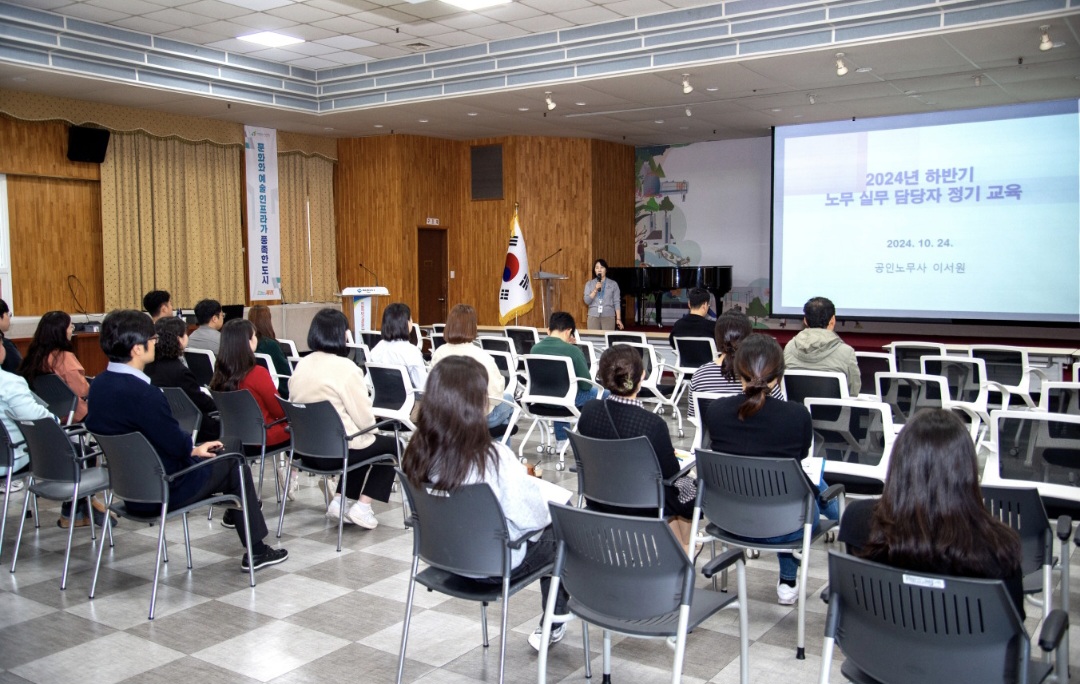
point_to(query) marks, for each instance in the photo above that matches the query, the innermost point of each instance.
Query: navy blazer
(120, 403)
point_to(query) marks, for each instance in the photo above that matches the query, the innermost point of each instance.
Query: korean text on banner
(263, 233)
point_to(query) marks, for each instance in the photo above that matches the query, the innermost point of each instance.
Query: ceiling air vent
(418, 46)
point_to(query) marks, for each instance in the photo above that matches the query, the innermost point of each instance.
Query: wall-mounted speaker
(87, 144)
(487, 172)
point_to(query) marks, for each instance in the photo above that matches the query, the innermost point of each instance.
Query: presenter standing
(603, 298)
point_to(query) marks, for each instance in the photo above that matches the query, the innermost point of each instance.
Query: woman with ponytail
(755, 423)
(719, 376)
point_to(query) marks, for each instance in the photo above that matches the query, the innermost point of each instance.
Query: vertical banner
(515, 294)
(263, 233)
(5, 247)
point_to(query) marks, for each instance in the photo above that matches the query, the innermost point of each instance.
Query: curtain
(172, 220)
(308, 259)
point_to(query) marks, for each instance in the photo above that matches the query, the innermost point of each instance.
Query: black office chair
(242, 420)
(184, 410)
(631, 576)
(620, 472)
(317, 432)
(57, 474)
(7, 459)
(201, 363)
(59, 397)
(459, 535)
(799, 384)
(138, 475)
(896, 626)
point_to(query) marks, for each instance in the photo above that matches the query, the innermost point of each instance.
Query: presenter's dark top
(781, 428)
(692, 325)
(122, 400)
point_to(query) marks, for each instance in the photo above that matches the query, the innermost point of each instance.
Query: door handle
(441, 299)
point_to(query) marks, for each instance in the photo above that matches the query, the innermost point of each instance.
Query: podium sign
(362, 305)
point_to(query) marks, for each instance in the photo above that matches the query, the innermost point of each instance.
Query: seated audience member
(17, 403)
(817, 347)
(210, 317)
(236, 370)
(931, 516)
(259, 316)
(158, 303)
(50, 351)
(122, 400)
(460, 332)
(622, 416)
(696, 323)
(719, 376)
(168, 370)
(327, 374)
(452, 448)
(561, 340)
(13, 358)
(395, 347)
(754, 423)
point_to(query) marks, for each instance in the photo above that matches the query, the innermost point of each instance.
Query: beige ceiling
(993, 65)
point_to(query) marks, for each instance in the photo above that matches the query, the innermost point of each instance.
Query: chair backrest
(290, 348)
(591, 359)
(966, 376)
(391, 387)
(798, 384)
(1021, 508)
(906, 393)
(753, 496)
(902, 627)
(701, 408)
(316, 429)
(359, 354)
(855, 437)
(201, 362)
(266, 362)
(1060, 397)
(183, 410)
(462, 532)
(499, 343)
(370, 337)
(135, 469)
(241, 417)
(551, 378)
(618, 472)
(906, 355)
(437, 340)
(621, 566)
(437, 328)
(1035, 449)
(59, 397)
(649, 361)
(523, 338)
(623, 337)
(1004, 364)
(53, 456)
(694, 352)
(7, 448)
(872, 363)
(505, 364)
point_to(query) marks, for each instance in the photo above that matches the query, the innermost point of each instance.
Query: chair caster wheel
(830, 536)
(753, 553)
(660, 411)
(551, 450)
(540, 448)
(524, 461)
(681, 433)
(560, 467)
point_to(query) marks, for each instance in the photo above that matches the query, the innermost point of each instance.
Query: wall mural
(707, 204)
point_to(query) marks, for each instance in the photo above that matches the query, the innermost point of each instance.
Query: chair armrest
(516, 543)
(376, 426)
(204, 463)
(276, 422)
(683, 472)
(1053, 629)
(832, 492)
(721, 562)
(1007, 394)
(1064, 528)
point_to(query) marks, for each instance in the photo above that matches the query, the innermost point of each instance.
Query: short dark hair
(123, 330)
(601, 262)
(169, 330)
(206, 309)
(327, 332)
(153, 300)
(4, 307)
(395, 322)
(460, 325)
(818, 312)
(697, 297)
(620, 369)
(560, 320)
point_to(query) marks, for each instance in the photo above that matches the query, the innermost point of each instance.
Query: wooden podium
(363, 304)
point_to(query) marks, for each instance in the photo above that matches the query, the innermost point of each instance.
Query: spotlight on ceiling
(686, 87)
(688, 112)
(810, 96)
(841, 68)
(550, 103)
(1045, 44)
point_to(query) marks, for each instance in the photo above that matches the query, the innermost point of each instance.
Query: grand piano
(640, 281)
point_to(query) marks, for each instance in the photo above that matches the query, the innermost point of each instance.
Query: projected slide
(956, 215)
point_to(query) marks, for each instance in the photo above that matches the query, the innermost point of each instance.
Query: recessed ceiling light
(473, 5)
(19, 79)
(378, 125)
(580, 104)
(422, 120)
(712, 89)
(864, 70)
(523, 109)
(659, 121)
(777, 110)
(328, 128)
(270, 39)
(797, 116)
(471, 114)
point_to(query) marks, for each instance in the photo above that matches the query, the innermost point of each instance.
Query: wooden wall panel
(55, 231)
(613, 202)
(39, 148)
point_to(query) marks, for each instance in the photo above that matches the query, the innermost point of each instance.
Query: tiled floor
(325, 616)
